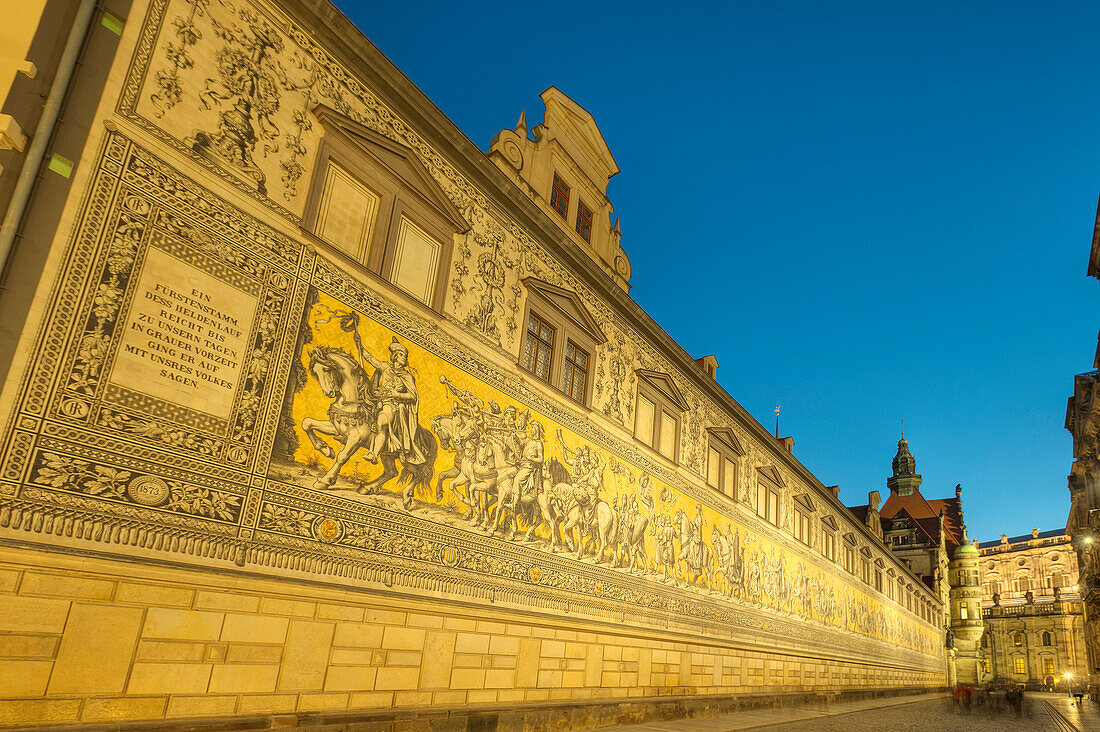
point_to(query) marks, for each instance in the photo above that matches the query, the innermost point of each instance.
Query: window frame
(800, 525)
(555, 179)
(587, 220)
(848, 552)
(570, 368)
(767, 501)
(544, 323)
(666, 400)
(562, 311)
(724, 443)
(404, 188)
(828, 538)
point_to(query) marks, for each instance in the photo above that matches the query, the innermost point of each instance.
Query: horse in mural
(566, 516)
(454, 435)
(354, 420)
(697, 556)
(730, 559)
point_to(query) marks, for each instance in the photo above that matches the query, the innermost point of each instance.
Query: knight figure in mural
(378, 413)
(696, 554)
(588, 469)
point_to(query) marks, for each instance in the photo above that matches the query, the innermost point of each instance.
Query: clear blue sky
(888, 207)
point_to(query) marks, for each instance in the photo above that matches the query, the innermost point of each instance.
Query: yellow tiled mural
(379, 419)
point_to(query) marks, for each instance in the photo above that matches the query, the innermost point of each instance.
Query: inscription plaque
(185, 338)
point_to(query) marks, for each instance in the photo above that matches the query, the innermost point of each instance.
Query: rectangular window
(878, 579)
(643, 420)
(828, 543)
(865, 571)
(559, 197)
(656, 425)
(801, 526)
(721, 468)
(415, 261)
(1021, 668)
(584, 221)
(668, 435)
(850, 559)
(538, 348)
(767, 503)
(964, 612)
(345, 218)
(575, 378)
(1048, 665)
(1058, 580)
(714, 468)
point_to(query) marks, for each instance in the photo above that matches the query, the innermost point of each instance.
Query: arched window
(1046, 638)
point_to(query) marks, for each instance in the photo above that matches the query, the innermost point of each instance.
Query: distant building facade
(1034, 625)
(929, 535)
(1083, 525)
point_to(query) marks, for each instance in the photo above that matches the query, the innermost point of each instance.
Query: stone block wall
(90, 640)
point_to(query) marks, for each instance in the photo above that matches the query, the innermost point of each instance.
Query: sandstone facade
(318, 409)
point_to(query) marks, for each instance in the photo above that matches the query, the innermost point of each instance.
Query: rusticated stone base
(525, 718)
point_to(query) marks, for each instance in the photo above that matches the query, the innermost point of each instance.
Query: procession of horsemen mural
(378, 418)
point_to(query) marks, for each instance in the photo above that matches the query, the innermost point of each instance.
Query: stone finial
(521, 125)
(958, 490)
(1034, 533)
(1004, 539)
(874, 500)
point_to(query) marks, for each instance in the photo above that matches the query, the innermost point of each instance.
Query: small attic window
(584, 221)
(559, 197)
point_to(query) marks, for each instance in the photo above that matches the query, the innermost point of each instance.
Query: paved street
(928, 713)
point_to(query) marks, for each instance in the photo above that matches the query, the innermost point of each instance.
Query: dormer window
(373, 201)
(584, 221)
(657, 413)
(559, 341)
(559, 197)
(723, 449)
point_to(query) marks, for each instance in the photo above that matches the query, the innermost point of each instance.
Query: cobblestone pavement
(1041, 713)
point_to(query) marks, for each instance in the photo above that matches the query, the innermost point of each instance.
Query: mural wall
(207, 386)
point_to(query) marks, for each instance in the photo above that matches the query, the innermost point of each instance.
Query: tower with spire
(927, 534)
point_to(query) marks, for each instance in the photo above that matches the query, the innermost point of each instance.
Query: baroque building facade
(313, 407)
(929, 536)
(1034, 631)
(1083, 524)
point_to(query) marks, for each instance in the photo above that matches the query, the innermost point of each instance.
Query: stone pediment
(770, 473)
(806, 501)
(567, 303)
(664, 384)
(576, 130)
(400, 161)
(727, 437)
